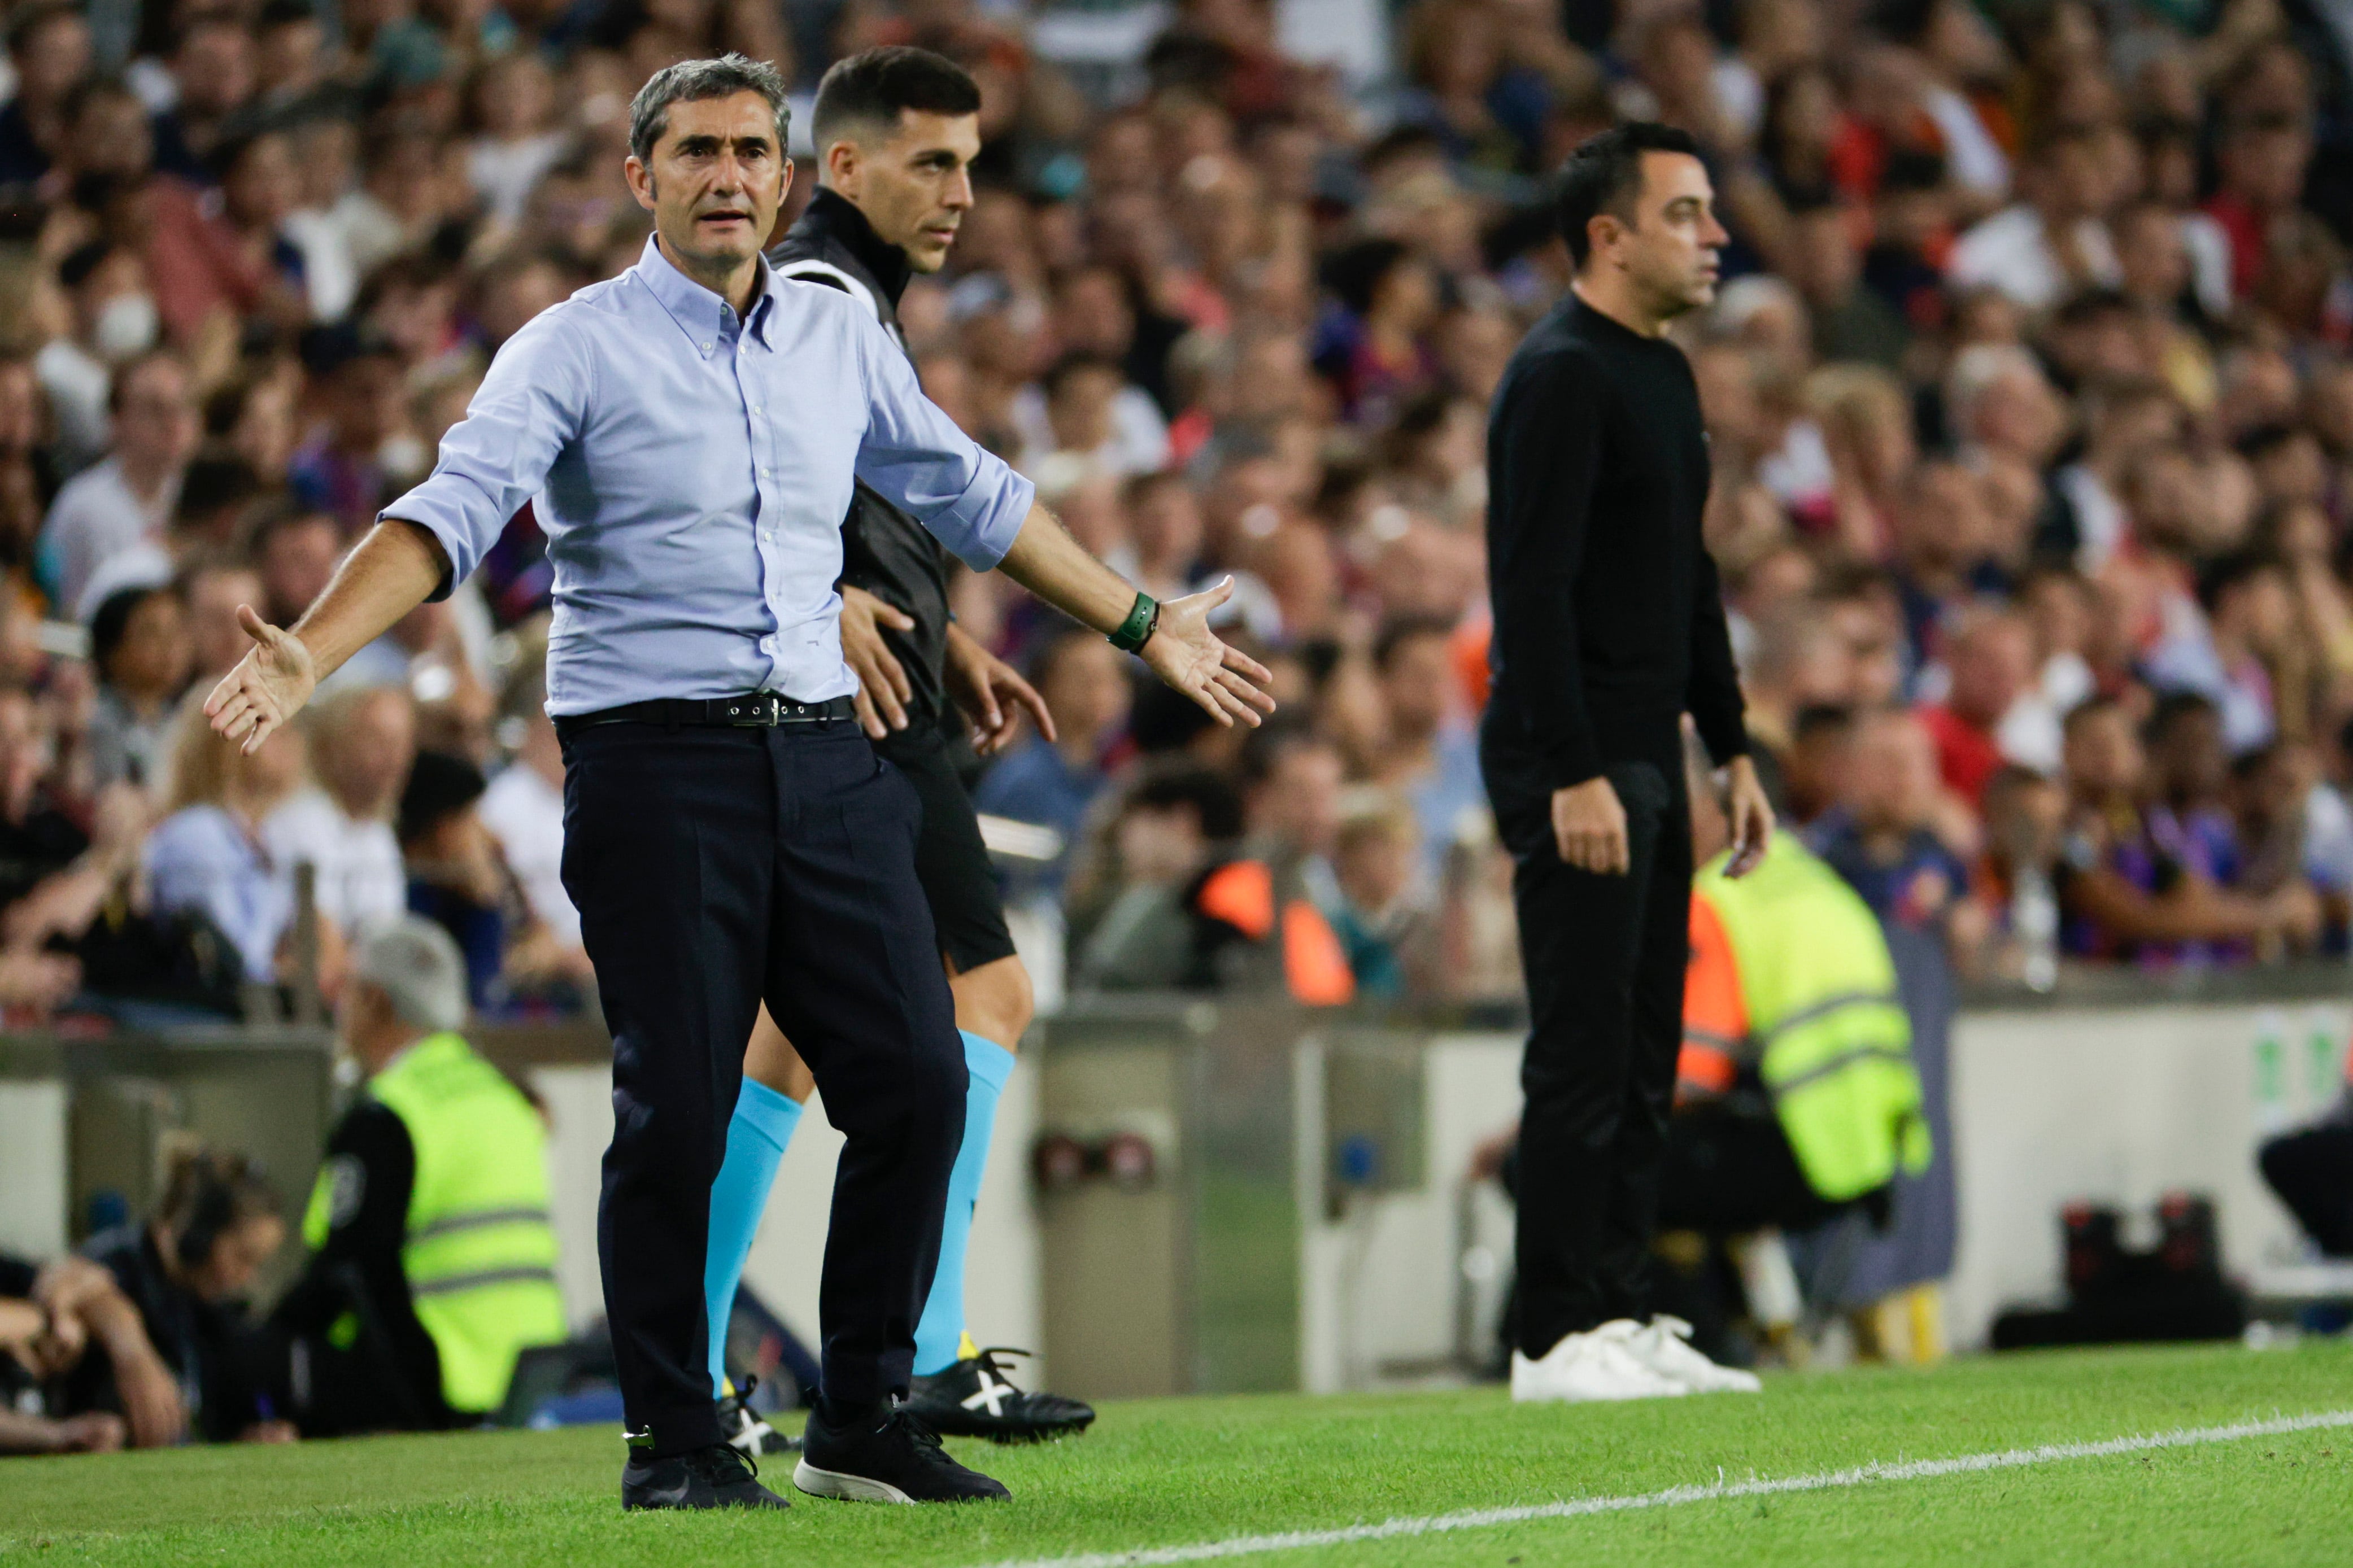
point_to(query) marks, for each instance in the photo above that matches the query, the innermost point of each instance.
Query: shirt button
(706, 348)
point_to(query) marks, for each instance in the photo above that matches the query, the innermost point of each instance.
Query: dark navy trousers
(716, 867)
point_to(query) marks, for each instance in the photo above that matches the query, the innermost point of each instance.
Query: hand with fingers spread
(992, 694)
(1185, 654)
(883, 688)
(267, 687)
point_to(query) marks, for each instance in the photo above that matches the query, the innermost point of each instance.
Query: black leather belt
(752, 711)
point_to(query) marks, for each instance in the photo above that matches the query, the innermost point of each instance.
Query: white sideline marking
(1826, 1480)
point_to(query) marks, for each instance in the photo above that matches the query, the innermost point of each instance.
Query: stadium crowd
(2029, 389)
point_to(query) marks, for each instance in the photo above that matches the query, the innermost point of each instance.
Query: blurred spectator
(455, 876)
(113, 321)
(1989, 667)
(49, 54)
(2124, 894)
(523, 809)
(187, 1270)
(139, 650)
(1430, 753)
(126, 500)
(2224, 655)
(49, 1319)
(209, 855)
(1053, 782)
(361, 744)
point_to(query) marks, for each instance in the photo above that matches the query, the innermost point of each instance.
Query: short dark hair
(2232, 571)
(1605, 174)
(694, 81)
(876, 86)
(1399, 630)
(2172, 708)
(1355, 273)
(33, 18)
(111, 626)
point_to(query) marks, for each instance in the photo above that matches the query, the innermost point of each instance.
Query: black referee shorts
(951, 862)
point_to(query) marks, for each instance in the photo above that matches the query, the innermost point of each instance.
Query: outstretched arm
(395, 567)
(1182, 651)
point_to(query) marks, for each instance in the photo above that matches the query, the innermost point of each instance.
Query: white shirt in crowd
(76, 382)
(2012, 252)
(96, 516)
(360, 876)
(504, 173)
(525, 814)
(1139, 436)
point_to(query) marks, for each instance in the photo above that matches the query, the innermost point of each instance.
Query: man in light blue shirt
(689, 433)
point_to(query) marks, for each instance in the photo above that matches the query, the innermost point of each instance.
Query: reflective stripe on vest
(479, 1253)
(1820, 989)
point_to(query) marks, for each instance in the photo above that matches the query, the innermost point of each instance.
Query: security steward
(432, 1256)
(1796, 1093)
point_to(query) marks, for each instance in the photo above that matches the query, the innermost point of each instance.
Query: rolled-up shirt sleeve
(530, 405)
(914, 456)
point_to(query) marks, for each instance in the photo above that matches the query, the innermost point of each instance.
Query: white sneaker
(1663, 1346)
(1599, 1364)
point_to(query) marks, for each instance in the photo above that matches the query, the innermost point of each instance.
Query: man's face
(112, 136)
(1669, 249)
(214, 68)
(213, 598)
(714, 181)
(913, 186)
(53, 57)
(157, 420)
(1419, 684)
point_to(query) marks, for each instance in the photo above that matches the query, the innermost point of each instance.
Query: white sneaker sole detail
(807, 1478)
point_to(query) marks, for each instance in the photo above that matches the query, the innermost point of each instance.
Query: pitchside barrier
(1194, 1195)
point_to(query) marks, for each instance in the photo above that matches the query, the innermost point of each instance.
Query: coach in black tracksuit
(1609, 627)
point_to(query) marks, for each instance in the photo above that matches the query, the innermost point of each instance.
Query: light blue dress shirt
(690, 470)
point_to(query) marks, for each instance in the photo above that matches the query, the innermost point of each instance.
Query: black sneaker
(901, 1460)
(715, 1477)
(974, 1398)
(747, 1432)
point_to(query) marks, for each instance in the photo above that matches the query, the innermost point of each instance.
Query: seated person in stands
(2129, 892)
(49, 1319)
(432, 1257)
(456, 876)
(185, 1273)
(209, 855)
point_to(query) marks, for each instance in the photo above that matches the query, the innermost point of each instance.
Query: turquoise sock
(941, 1331)
(756, 1136)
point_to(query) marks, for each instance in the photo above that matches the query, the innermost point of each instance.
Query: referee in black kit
(1609, 628)
(689, 433)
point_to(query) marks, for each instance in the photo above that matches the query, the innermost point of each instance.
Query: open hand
(1190, 657)
(266, 690)
(991, 694)
(883, 688)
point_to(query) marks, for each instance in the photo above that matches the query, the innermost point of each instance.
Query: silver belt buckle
(758, 712)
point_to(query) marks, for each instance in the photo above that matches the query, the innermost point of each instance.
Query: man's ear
(841, 161)
(642, 181)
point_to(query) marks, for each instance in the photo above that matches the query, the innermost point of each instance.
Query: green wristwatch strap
(1137, 630)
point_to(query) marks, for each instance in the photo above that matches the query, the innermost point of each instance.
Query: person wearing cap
(432, 1256)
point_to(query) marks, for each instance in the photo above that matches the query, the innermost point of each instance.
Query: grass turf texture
(1175, 1472)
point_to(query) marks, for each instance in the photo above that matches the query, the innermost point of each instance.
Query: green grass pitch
(1178, 1473)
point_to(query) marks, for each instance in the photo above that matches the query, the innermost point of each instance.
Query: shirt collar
(699, 313)
(832, 212)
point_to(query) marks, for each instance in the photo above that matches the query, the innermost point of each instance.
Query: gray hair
(418, 967)
(693, 82)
